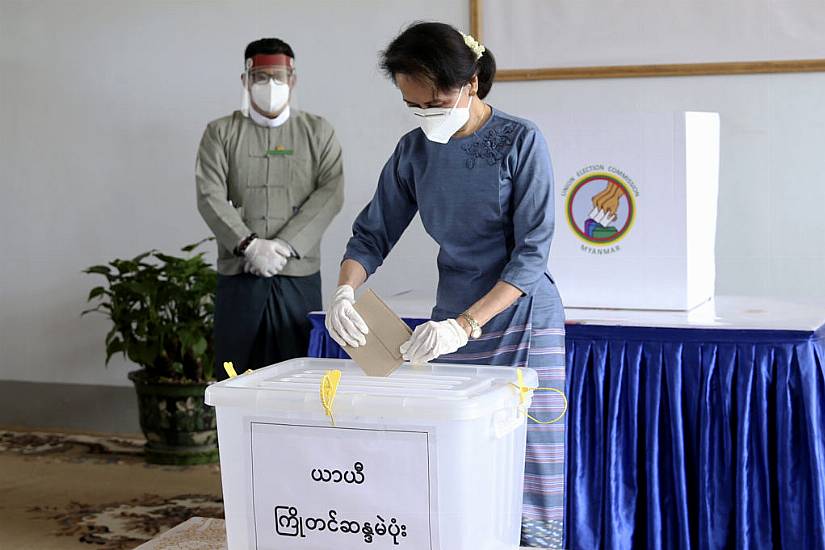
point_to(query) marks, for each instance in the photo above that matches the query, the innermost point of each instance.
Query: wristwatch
(475, 328)
(241, 248)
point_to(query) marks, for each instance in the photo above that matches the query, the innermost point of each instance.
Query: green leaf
(99, 269)
(95, 292)
(121, 266)
(199, 346)
(191, 247)
(140, 257)
(113, 347)
(186, 339)
(92, 310)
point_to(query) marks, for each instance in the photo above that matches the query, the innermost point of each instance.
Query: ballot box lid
(445, 391)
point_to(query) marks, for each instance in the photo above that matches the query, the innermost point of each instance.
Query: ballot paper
(382, 353)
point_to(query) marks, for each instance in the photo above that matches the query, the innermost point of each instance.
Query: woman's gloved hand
(266, 258)
(345, 325)
(434, 339)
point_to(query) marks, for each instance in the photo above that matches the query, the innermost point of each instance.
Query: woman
(482, 182)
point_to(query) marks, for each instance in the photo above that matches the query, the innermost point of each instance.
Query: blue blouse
(486, 199)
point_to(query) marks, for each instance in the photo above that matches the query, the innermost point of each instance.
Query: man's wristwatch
(241, 248)
(475, 328)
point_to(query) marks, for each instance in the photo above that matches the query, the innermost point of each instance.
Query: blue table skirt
(689, 438)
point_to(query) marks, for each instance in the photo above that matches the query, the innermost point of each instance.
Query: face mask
(270, 96)
(440, 123)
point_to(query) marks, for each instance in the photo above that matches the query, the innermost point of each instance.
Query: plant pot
(179, 427)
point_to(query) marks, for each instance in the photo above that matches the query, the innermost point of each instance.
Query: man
(269, 182)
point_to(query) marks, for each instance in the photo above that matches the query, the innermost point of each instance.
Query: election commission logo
(600, 206)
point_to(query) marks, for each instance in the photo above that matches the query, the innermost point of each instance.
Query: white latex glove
(249, 268)
(434, 339)
(266, 258)
(345, 325)
(288, 251)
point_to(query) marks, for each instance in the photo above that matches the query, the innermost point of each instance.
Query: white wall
(633, 32)
(102, 105)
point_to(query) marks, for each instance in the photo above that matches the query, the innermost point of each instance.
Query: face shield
(267, 82)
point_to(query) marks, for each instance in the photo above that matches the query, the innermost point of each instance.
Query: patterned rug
(80, 491)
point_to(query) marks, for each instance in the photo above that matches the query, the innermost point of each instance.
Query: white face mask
(271, 96)
(440, 123)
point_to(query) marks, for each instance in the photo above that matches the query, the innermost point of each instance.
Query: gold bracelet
(475, 327)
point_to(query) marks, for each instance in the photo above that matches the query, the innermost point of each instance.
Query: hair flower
(474, 45)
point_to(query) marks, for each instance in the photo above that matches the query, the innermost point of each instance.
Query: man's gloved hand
(434, 339)
(344, 324)
(266, 258)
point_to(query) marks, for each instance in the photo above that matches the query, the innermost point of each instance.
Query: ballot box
(429, 457)
(635, 204)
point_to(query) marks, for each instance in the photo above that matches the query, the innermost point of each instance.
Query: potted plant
(161, 308)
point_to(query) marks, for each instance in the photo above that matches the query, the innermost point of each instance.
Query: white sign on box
(319, 487)
(635, 200)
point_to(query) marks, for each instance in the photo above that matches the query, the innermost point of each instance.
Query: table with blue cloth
(692, 430)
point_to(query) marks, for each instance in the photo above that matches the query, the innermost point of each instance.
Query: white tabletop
(723, 312)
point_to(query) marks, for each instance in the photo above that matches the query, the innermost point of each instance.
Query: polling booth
(635, 200)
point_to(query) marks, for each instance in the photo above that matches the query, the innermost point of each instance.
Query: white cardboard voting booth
(430, 457)
(635, 198)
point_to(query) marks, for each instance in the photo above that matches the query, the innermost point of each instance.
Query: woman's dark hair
(270, 46)
(437, 52)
